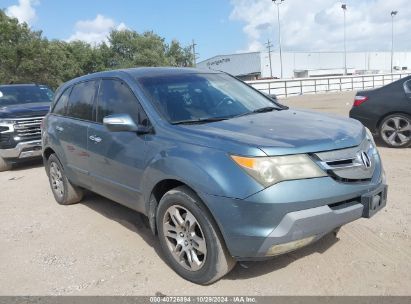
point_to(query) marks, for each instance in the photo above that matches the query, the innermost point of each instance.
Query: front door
(117, 159)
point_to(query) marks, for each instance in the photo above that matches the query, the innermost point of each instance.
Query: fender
(184, 164)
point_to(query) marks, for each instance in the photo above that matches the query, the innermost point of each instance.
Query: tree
(178, 56)
(19, 47)
(130, 49)
(27, 57)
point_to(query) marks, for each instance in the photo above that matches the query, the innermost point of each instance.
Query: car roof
(141, 72)
(164, 71)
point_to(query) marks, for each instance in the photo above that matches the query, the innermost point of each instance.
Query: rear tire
(395, 130)
(65, 193)
(190, 239)
(4, 165)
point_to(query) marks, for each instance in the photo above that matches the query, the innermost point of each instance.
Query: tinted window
(115, 97)
(61, 104)
(81, 99)
(202, 96)
(21, 94)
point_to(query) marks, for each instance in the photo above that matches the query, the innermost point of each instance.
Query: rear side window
(61, 103)
(80, 104)
(115, 97)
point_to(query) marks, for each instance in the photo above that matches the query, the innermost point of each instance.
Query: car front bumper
(293, 213)
(300, 228)
(22, 150)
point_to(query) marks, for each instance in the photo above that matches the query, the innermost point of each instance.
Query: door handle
(96, 139)
(60, 129)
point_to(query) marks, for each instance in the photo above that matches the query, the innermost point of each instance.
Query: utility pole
(344, 7)
(193, 47)
(278, 2)
(269, 46)
(393, 13)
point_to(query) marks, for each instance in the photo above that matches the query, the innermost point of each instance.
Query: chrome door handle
(96, 139)
(60, 129)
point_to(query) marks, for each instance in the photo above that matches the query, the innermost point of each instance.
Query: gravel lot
(101, 248)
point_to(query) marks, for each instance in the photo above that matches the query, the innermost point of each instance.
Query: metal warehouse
(256, 65)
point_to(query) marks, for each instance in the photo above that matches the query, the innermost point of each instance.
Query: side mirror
(119, 123)
(124, 122)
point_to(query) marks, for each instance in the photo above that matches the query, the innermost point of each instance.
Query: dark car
(22, 108)
(222, 172)
(386, 111)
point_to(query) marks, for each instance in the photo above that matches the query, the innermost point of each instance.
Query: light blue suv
(223, 172)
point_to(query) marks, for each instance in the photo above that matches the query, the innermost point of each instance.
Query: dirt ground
(100, 248)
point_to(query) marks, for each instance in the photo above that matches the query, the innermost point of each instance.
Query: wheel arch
(46, 155)
(161, 188)
(47, 152)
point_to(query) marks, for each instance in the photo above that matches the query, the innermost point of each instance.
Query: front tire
(395, 130)
(190, 239)
(65, 193)
(4, 165)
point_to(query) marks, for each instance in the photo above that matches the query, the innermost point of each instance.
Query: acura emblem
(365, 159)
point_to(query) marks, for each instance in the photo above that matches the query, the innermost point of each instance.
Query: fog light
(16, 138)
(287, 247)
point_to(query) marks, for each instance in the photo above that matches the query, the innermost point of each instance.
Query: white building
(256, 65)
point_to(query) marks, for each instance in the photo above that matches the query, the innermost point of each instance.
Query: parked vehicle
(222, 172)
(386, 111)
(22, 107)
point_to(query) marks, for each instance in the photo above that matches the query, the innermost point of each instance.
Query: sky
(225, 26)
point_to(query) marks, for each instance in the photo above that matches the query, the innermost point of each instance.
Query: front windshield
(196, 97)
(14, 95)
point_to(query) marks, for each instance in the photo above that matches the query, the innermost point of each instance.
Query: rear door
(72, 129)
(117, 159)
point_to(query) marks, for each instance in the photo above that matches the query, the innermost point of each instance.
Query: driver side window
(115, 97)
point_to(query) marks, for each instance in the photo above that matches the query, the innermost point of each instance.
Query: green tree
(19, 47)
(27, 57)
(179, 56)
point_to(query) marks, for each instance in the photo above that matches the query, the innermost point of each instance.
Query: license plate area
(374, 202)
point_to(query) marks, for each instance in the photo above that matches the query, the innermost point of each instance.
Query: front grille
(347, 165)
(28, 128)
(5, 142)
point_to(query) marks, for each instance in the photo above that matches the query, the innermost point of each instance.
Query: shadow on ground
(246, 270)
(27, 165)
(128, 218)
(138, 223)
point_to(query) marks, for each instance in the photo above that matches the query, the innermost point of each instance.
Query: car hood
(285, 132)
(24, 110)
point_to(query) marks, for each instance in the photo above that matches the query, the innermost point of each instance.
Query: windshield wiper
(260, 110)
(199, 121)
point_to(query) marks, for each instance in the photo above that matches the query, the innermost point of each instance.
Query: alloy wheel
(56, 178)
(184, 238)
(396, 131)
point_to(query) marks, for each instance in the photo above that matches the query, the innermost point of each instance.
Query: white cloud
(95, 31)
(23, 11)
(318, 24)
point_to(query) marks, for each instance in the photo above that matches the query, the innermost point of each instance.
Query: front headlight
(370, 136)
(271, 170)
